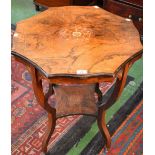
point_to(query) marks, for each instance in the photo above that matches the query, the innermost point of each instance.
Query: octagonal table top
(75, 40)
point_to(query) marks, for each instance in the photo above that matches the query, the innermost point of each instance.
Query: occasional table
(76, 48)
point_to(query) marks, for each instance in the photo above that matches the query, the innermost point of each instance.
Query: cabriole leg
(43, 101)
(102, 107)
(101, 119)
(103, 128)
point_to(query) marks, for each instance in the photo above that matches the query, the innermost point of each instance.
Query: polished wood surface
(43, 101)
(42, 5)
(103, 128)
(56, 3)
(80, 47)
(52, 3)
(68, 40)
(75, 99)
(132, 9)
(138, 3)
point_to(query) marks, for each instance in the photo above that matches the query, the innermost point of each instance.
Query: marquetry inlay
(64, 40)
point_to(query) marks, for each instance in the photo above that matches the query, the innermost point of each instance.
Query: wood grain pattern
(61, 41)
(66, 39)
(127, 9)
(75, 99)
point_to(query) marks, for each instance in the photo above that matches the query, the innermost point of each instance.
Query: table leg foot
(49, 132)
(103, 128)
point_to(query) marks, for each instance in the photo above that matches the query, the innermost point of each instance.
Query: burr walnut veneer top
(76, 39)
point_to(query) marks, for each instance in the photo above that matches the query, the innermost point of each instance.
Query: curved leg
(101, 119)
(103, 128)
(43, 101)
(50, 130)
(119, 85)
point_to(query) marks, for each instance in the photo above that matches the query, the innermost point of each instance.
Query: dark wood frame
(38, 75)
(128, 9)
(38, 5)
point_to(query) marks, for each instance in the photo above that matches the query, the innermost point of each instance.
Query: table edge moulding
(74, 93)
